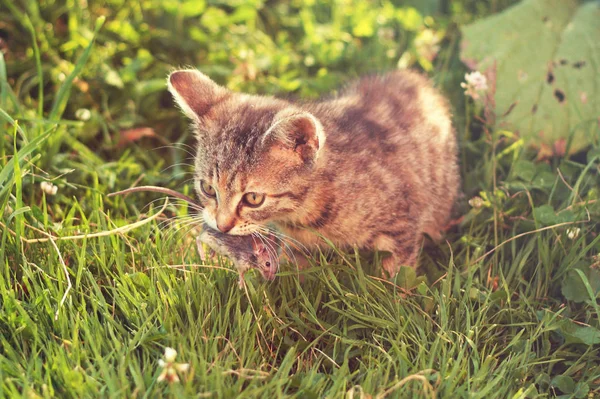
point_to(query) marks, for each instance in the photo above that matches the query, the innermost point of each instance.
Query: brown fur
(374, 167)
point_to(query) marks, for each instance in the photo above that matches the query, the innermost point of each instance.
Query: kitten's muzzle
(225, 226)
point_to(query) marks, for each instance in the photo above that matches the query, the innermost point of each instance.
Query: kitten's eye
(254, 200)
(208, 189)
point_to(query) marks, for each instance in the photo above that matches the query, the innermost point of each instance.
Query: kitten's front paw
(300, 260)
(390, 266)
(241, 281)
(205, 255)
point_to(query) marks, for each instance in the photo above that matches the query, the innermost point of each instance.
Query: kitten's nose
(225, 225)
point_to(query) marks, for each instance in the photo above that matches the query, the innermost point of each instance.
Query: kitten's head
(256, 155)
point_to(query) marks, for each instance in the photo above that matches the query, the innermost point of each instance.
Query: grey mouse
(246, 252)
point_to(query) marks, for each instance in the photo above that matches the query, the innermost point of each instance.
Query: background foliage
(544, 56)
(497, 312)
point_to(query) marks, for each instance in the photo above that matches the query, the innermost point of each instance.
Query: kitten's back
(392, 136)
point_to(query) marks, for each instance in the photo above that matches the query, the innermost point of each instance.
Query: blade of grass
(38, 67)
(7, 118)
(5, 90)
(18, 193)
(6, 174)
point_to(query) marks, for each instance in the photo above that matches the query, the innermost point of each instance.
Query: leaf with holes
(546, 55)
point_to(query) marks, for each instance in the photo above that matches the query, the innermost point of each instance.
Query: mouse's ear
(195, 93)
(258, 247)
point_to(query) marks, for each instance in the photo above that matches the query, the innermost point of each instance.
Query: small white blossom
(83, 114)
(170, 355)
(476, 202)
(309, 60)
(477, 80)
(573, 233)
(49, 188)
(476, 84)
(170, 368)
(596, 259)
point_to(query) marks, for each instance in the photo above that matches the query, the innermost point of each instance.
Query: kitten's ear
(300, 132)
(195, 93)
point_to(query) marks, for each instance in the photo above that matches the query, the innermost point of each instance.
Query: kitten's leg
(241, 281)
(200, 249)
(298, 259)
(403, 249)
(434, 234)
(203, 255)
(302, 261)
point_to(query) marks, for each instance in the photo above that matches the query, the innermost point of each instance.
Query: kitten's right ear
(195, 93)
(298, 131)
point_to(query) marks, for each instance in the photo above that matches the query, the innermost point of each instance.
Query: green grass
(489, 316)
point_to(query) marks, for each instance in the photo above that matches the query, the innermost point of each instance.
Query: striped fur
(374, 167)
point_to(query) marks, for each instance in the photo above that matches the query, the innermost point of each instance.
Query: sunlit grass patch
(94, 289)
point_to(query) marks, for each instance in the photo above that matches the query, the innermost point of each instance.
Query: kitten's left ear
(298, 131)
(195, 93)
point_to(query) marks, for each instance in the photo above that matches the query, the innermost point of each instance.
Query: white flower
(170, 368)
(48, 188)
(476, 84)
(573, 233)
(477, 80)
(83, 114)
(476, 202)
(596, 259)
(170, 355)
(309, 60)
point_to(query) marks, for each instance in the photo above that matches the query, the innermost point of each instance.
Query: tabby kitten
(374, 167)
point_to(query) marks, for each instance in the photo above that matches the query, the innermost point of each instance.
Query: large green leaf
(547, 59)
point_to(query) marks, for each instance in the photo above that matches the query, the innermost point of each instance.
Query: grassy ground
(506, 308)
